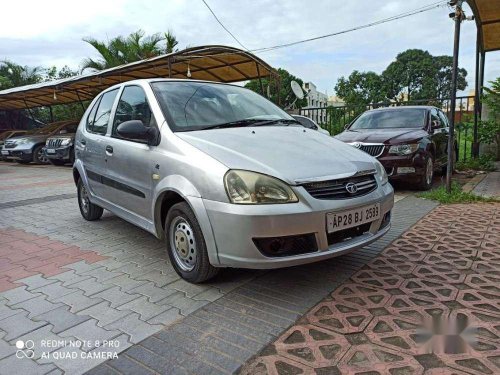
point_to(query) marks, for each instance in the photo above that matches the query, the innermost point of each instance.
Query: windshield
(404, 118)
(200, 105)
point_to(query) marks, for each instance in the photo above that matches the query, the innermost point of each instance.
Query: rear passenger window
(99, 125)
(91, 116)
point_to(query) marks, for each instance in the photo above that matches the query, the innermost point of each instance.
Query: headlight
(244, 187)
(381, 174)
(66, 142)
(403, 149)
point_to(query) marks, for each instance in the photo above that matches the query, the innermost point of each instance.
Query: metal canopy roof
(487, 13)
(212, 63)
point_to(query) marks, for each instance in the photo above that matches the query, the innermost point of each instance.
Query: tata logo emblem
(357, 144)
(351, 188)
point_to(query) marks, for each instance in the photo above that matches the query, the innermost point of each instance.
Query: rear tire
(426, 179)
(186, 246)
(88, 210)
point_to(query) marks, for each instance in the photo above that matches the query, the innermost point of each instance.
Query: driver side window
(435, 117)
(133, 105)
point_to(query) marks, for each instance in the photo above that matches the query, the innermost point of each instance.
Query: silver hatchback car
(227, 178)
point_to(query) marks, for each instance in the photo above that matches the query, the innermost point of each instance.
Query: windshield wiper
(250, 122)
(238, 123)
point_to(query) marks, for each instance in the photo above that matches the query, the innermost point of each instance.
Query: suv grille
(373, 150)
(336, 189)
(54, 142)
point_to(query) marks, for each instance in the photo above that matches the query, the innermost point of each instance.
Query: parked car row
(52, 143)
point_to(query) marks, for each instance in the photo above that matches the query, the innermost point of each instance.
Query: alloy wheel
(183, 244)
(41, 157)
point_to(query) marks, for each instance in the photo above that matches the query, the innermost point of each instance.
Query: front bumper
(236, 226)
(61, 153)
(404, 167)
(17, 154)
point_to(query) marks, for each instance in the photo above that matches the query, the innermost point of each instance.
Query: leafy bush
(456, 195)
(483, 163)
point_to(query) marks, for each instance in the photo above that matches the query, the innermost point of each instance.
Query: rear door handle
(83, 142)
(109, 149)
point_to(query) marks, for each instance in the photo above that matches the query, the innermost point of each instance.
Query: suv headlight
(245, 187)
(381, 174)
(403, 149)
(66, 142)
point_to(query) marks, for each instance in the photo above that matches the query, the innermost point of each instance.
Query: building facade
(317, 100)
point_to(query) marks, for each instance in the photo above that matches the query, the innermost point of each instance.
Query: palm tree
(121, 50)
(171, 42)
(14, 75)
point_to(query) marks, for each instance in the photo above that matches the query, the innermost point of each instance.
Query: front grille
(54, 142)
(373, 150)
(10, 144)
(336, 189)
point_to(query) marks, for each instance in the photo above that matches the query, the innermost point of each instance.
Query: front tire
(38, 156)
(426, 179)
(186, 246)
(88, 210)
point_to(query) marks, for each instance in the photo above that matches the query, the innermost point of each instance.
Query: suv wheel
(186, 246)
(88, 210)
(428, 175)
(38, 156)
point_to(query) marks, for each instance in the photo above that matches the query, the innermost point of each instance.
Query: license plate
(50, 151)
(352, 218)
(5, 152)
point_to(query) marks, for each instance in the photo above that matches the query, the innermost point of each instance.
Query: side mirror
(347, 126)
(435, 124)
(135, 130)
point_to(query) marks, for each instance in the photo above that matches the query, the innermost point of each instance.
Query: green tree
(122, 50)
(14, 75)
(360, 88)
(286, 94)
(416, 74)
(170, 42)
(489, 131)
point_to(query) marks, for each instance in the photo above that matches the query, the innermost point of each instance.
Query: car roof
(402, 108)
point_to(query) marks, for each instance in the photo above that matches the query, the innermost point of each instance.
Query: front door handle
(109, 149)
(83, 142)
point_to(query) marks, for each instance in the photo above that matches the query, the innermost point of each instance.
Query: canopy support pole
(29, 110)
(51, 114)
(451, 137)
(169, 68)
(477, 98)
(260, 79)
(80, 100)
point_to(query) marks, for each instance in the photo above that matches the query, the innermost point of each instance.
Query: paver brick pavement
(426, 305)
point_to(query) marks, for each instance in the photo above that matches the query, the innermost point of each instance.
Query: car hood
(386, 136)
(292, 154)
(35, 138)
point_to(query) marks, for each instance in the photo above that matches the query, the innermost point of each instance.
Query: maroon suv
(410, 142)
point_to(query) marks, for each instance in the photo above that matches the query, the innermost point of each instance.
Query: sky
(50, 33)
